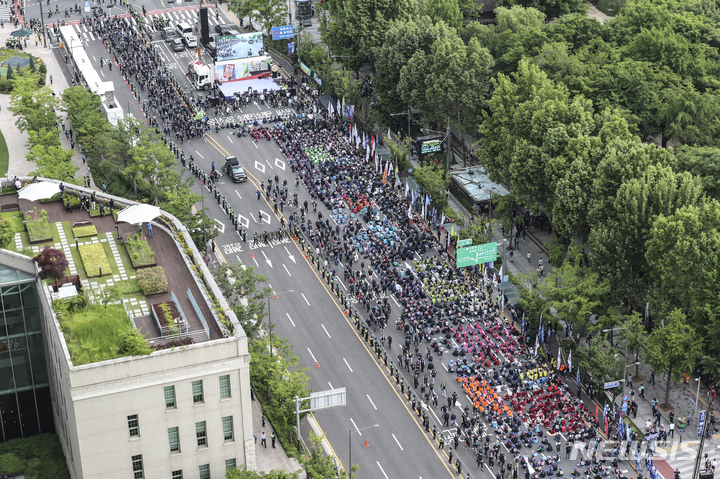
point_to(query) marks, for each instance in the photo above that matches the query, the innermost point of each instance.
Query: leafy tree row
(134, 161)
(36, 109)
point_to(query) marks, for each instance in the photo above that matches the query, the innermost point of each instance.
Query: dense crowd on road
(384, 250)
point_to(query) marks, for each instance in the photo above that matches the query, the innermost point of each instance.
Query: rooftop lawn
(93, 333)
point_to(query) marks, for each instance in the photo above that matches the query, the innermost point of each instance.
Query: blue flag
(627, 431)
(577, 378)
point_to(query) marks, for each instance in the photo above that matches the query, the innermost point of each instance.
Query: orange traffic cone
(253, 255)
(366, 443)
(317, 364)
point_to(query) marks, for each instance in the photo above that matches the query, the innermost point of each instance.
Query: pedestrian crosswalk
(190, 17)
(682, 456)
(5, 13)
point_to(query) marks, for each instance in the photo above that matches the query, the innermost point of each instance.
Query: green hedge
(93, 256)
(152, 280)
(39, 457)
(85, 231)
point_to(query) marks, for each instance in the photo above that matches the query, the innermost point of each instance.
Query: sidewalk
(15, 139)
(269, 458)
(679, 452)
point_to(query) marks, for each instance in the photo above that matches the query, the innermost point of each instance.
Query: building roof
(476, 184)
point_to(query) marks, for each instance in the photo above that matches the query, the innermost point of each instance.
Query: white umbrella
(39, 191)
(137, 214)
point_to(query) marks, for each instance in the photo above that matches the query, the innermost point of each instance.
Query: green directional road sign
(465, 242)
(472, 255)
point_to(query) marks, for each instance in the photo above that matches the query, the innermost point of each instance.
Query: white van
(184, 30)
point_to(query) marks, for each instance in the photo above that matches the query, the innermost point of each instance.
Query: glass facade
(25, 405)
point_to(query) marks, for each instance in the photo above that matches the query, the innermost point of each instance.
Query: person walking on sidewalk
(529, 257)
(263, 439)
(273, 439)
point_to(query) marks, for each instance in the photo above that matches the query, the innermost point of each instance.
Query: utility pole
(704, 428)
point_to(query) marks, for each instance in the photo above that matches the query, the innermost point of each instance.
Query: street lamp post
(697, 396)
(350, 433)
(624, 378)
(408, 112)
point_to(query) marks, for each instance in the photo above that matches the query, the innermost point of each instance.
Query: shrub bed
(140, 252)
(166, 313)
(37, 226)
(93, 257)
(39, 457)
(152, 280)
(83, 231)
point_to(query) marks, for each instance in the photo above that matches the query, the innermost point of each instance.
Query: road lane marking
(286, 270)
(288, 315)
(229, 138)
(371, 402)
(199, 154)
(398, 442)
(256, 264)
(236, 192)
(381, 469)
(346, 364)
(303, 295)
(356, 428)
(326, 332)
(313, 356)
(259, 166)
(268, 162)
(330, 385)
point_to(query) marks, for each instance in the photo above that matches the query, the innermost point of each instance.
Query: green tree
(458, 85)
(517, 19)
(278, 380)
(478, 230)
(576, 293)
(318, 464)
(84, 110)
(679, 249)
(702, 162)
(533, 304)
(109, 294)
(447, 11)
(673, 347)
(434, 181)
(619, 242)
(239, 285)
(528, 126)
(635, 338)
(401, 41)
(133, 343)
(179, 201)
(35, 107)
(551, 9)
(363, 23)
(267, 13)
(598, 362)
(52, 162)
(9, 74)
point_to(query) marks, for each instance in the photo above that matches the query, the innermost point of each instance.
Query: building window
(134, 425)
(197, 388)
(174, 439)
(230, 464)
(169, 397)
(137, 466)
(205, 471)
(177, 474)
(225, 386)
(228, 428)
(201, 433)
